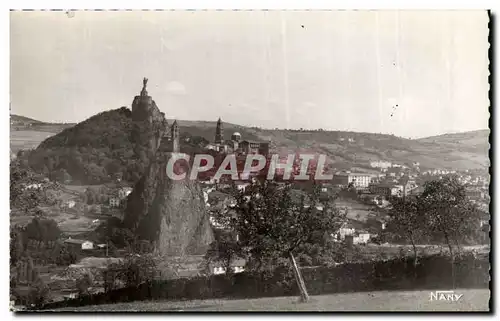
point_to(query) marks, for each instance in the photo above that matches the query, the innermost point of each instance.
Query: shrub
(38, 295)
(84, 283)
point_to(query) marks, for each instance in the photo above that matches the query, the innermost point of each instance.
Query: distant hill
(471, 138)
(469, 153)
(98, 148)
(21, 123)
(16, 119)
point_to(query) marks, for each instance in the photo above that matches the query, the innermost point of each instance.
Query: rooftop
(75, 241)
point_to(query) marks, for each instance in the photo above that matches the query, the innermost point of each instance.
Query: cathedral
(236, 145)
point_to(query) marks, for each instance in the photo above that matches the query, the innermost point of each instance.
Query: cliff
(170, 213)
(149, 126)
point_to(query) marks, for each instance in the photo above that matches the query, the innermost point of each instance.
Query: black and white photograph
(250, 160)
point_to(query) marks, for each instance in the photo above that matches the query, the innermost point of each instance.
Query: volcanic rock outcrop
(148, 125)
(170, 213)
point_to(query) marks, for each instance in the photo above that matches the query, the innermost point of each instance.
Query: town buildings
(236, 144)
(380, 164)
(358, 180)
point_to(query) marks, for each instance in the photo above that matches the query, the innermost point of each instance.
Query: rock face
(170, 213)
(149, 125)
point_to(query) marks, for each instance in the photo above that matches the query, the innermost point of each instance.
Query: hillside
(366, 147)
(16, 119)
(22, 123)
(467, 150)
(94, 151)
(98, 148)
(472, 139)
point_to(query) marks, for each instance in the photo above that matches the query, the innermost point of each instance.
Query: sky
(407, 73)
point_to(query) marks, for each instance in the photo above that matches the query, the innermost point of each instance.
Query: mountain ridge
(107, 135)
(190, 123)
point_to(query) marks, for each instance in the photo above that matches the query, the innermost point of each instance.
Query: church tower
(174, 136)
(219, 133)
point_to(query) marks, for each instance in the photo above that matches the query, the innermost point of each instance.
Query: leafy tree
(39, 294)
(64, 256)
(133, 271)
(16, 246)
(43, 231)
(21, 197)
(272, 226)
(408, 220)
(84, 283)
(223, 250)
(114, 232)
(62, 175)
(449, 212)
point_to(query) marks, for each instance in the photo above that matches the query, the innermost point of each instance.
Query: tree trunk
(452, 261)
(415, 254)
(415, 257)
(304, 296)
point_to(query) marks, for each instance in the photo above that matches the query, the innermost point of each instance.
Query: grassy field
(472, 300)
(27, 139)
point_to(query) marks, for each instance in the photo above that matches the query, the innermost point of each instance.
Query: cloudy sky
(412, 73)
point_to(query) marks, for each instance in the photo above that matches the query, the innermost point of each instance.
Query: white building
(358, 180)
(114, 202)
(124, 192)
(380, 164)
(81, 244)
(237, 266)
(361, 238)
(68, 204)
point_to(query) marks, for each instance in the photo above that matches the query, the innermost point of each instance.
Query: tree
(83, 284)
(224, 249)
(43, 231)
(62, 176)
(39, 294)
(21, 197)
(449, 212)
(90, 196)
(272, 226)
(64, 256)
(16, 246)
(133, 270)
(407, 220)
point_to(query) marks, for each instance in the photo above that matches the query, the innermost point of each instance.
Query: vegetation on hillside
(97, 150)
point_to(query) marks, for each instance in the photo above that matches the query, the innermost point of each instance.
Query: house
(237, 265)
(361, 237)
(68, 204)
(114, 201)
(474, 194)
(358, 180)
(241, 185)
(380, 164)
(124, 192)
(37, 186)
(386, 189)
(252, 147)
(79, 244)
